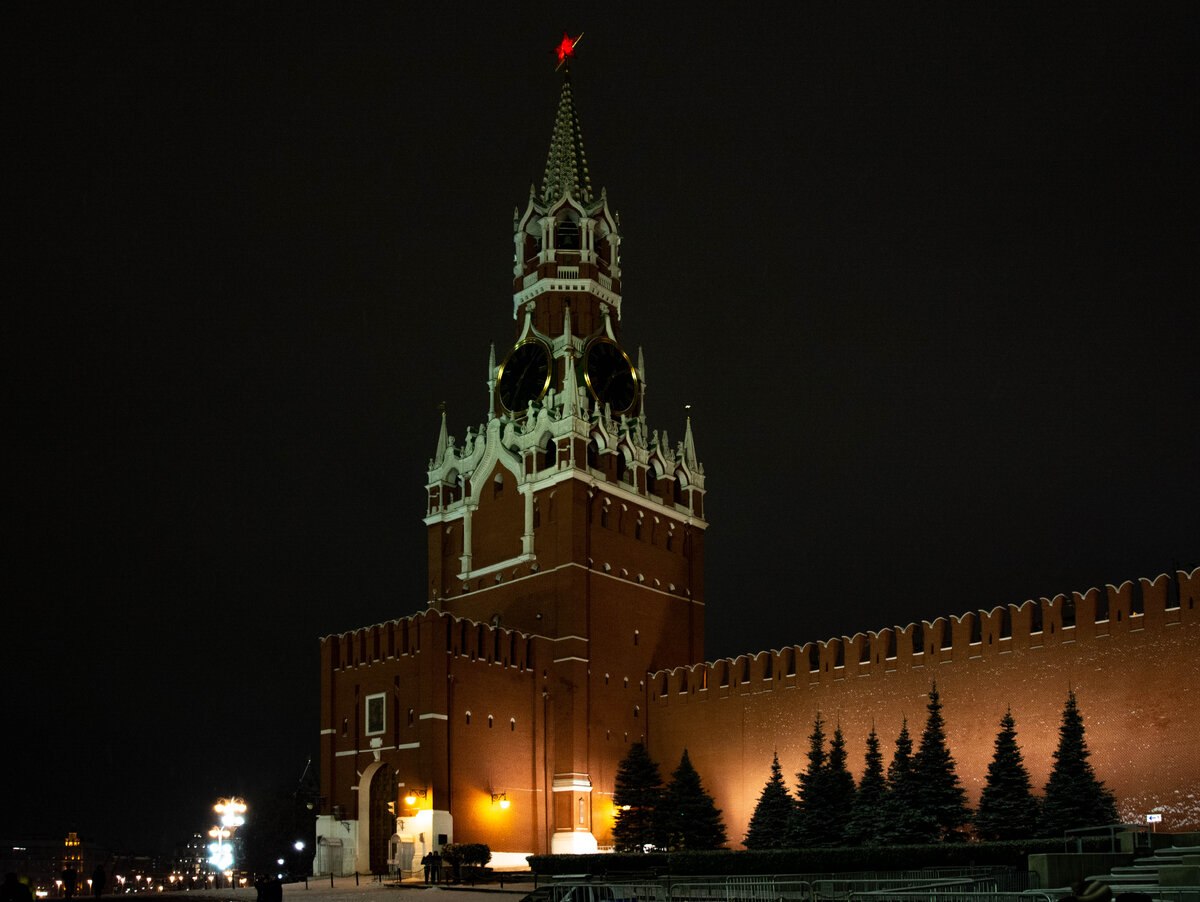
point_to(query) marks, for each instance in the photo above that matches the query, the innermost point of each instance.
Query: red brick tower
(564, 515)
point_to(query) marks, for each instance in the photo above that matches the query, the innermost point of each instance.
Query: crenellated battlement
(384, 643)
(1128, 651)
(1081, 617)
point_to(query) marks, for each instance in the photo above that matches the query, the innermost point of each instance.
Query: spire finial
(440, 453)
(570, 386)
(566, 50)
(491, 379)
(689, 443)
(641, 374)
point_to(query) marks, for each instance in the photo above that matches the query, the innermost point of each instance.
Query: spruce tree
(772, 814)
(808, 823)
(867, 825)
(839, 790)
(690, 819)
(1074, 797)
(637, 797)
(904, 819)
(941, 796)
(1008, 808)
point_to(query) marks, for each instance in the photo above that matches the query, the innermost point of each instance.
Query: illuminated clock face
(524, 375)
(610, 376)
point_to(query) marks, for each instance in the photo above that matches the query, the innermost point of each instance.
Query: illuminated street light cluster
(220, 852)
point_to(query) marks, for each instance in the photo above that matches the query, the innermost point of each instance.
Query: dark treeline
(919, 798)
(680, 816)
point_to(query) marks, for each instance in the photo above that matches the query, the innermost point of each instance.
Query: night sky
(926, 274)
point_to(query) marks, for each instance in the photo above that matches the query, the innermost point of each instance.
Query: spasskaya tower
(563, 514)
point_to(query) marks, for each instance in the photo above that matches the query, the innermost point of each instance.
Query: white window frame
(381, 699)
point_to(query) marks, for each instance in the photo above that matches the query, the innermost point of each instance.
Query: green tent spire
(566, 164)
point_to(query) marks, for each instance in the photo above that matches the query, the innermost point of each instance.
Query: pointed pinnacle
(440, 453)
(689, 446)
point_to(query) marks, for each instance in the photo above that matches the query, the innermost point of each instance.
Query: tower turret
(566, 470)
(566, 243)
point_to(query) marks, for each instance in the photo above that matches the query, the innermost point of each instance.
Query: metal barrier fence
(962, 884)
(936, 894)
(607, 892)
(743, 889)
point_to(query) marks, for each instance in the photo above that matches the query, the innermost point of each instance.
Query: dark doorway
(383, 822)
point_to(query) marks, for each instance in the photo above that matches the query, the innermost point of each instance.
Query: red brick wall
(1136, 677)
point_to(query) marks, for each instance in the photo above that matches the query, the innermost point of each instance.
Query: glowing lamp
(220, 855)
(500, 797)
(231, 811)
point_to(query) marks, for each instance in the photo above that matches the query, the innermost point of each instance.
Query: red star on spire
(566, 48)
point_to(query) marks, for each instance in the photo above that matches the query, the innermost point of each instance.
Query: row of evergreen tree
(920, 799)
(679, 816)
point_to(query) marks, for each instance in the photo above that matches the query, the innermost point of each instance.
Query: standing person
(436, 866)
(99, 879)
(68, 881)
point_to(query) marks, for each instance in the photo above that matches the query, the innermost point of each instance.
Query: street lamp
(220, 852)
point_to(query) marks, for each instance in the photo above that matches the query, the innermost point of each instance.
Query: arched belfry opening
(566, 233)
